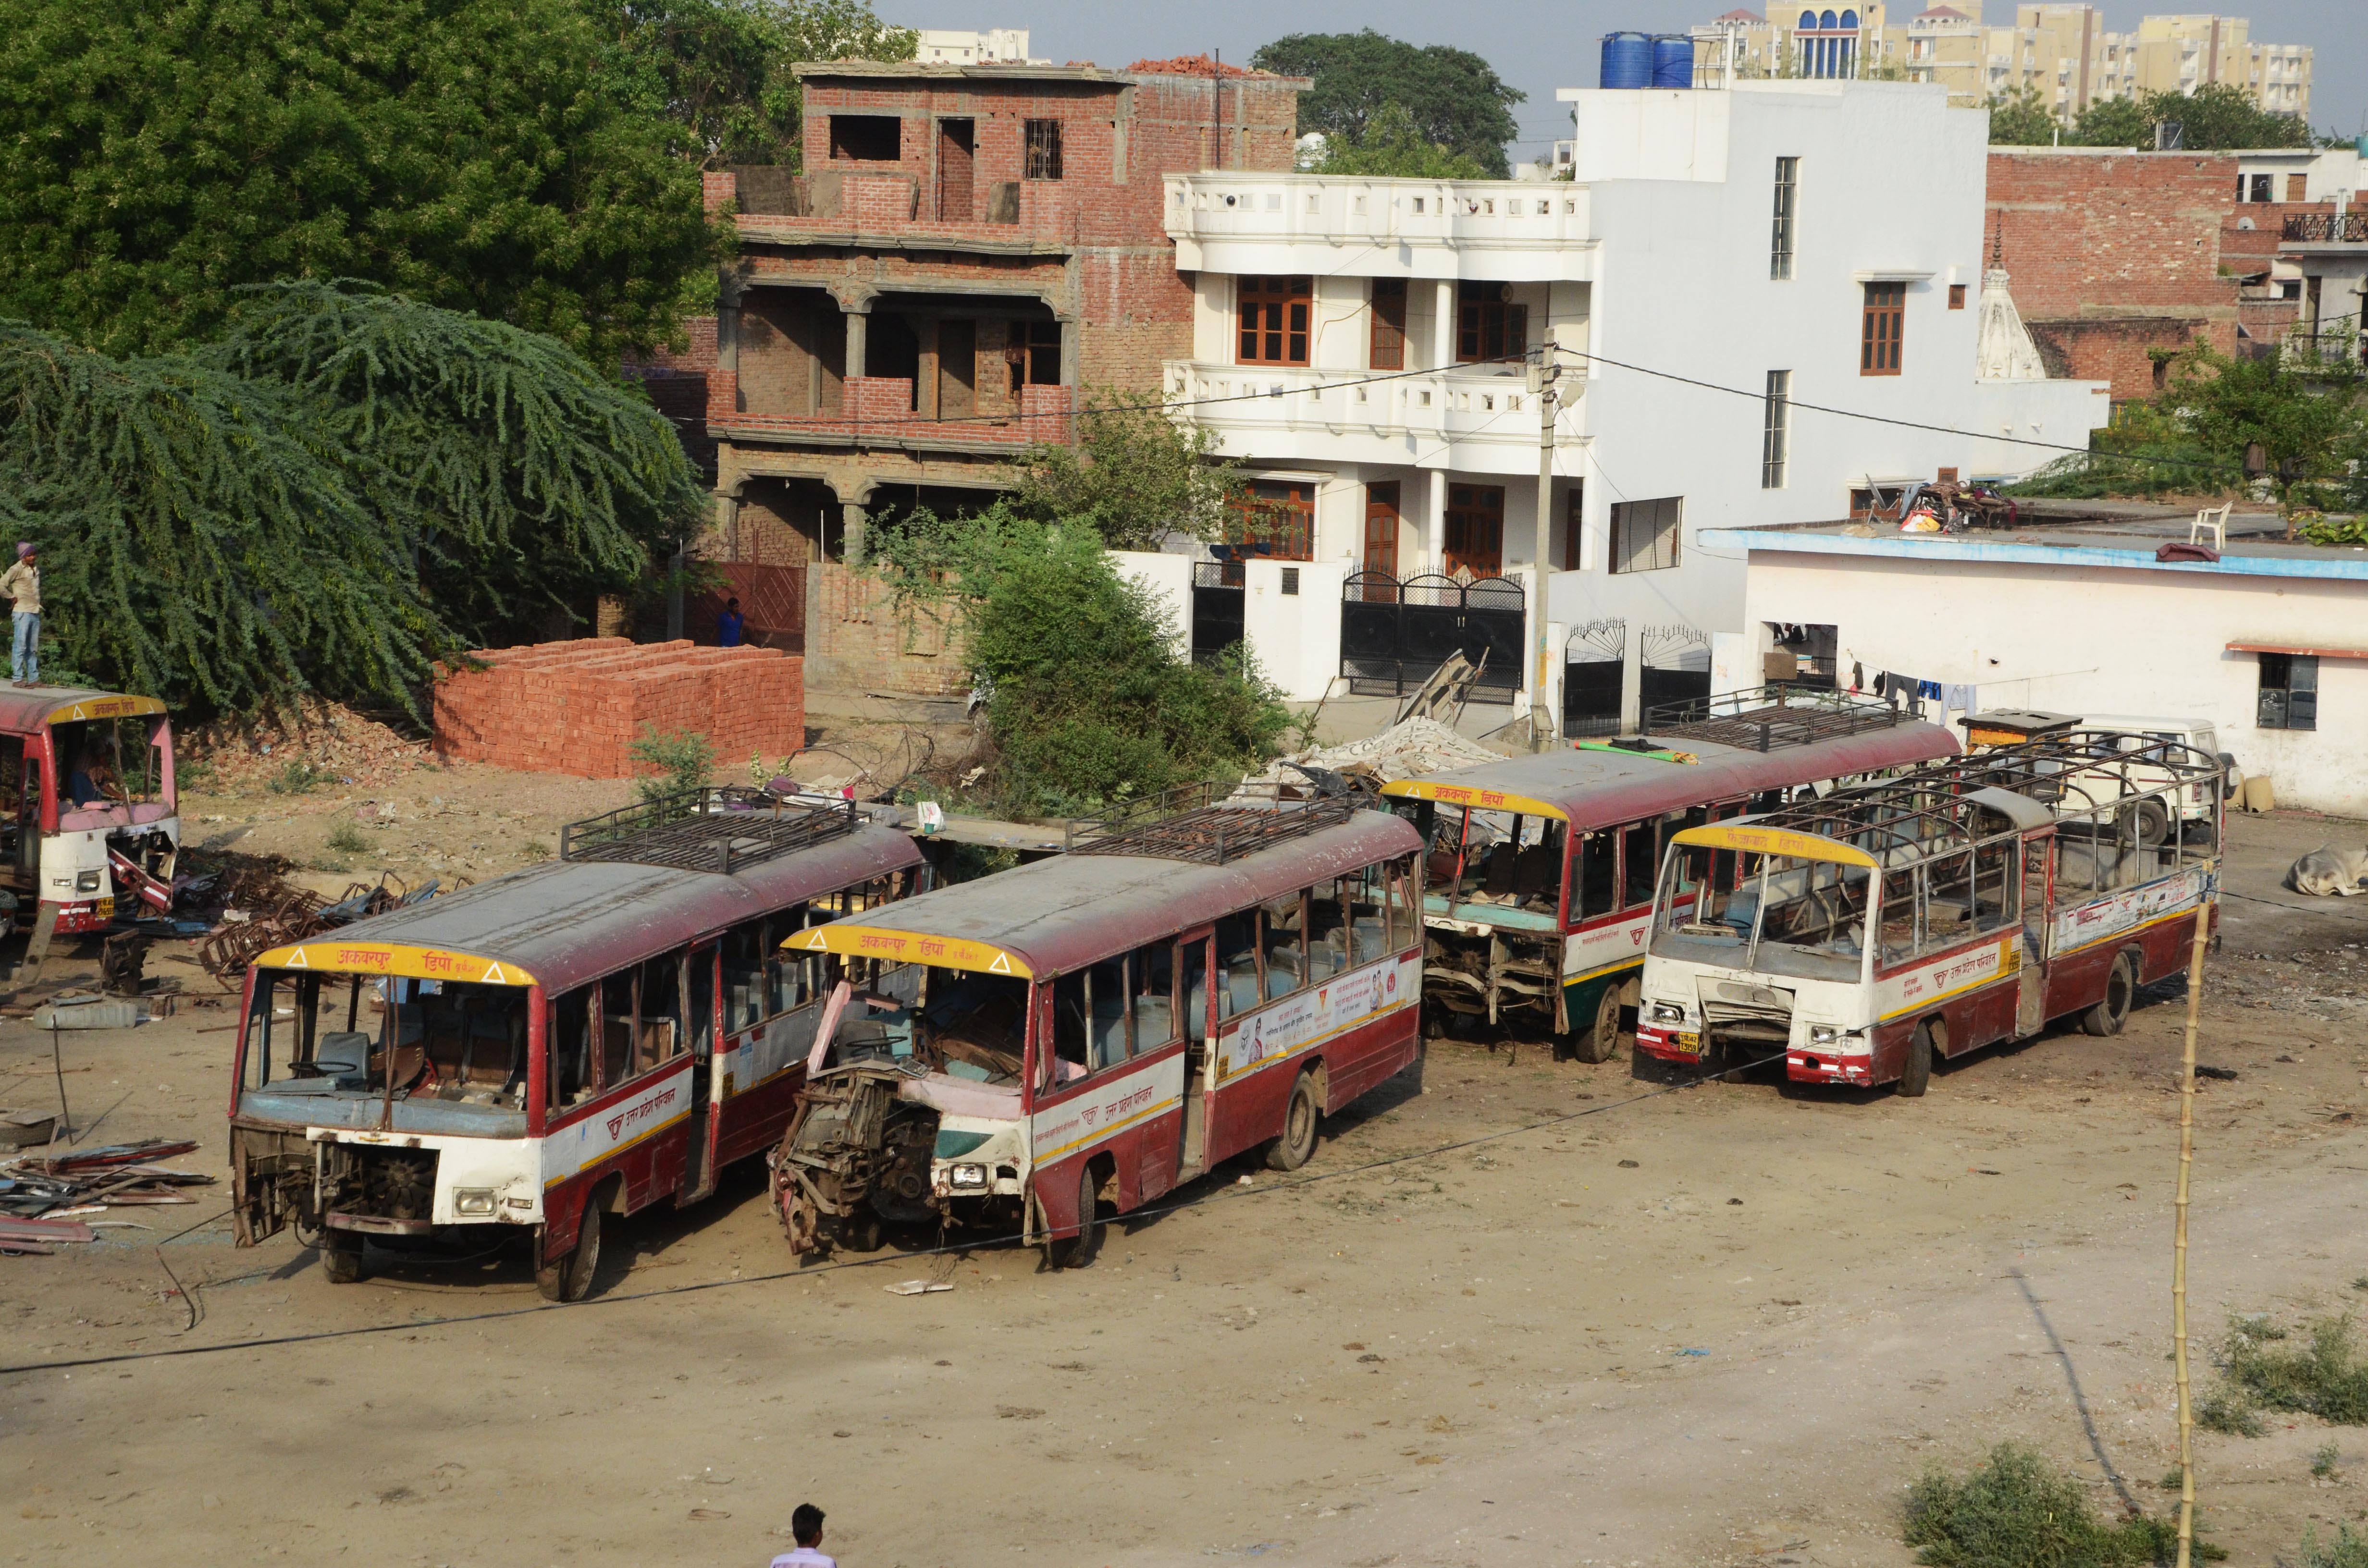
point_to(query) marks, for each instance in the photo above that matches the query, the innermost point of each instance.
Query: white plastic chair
(2214, 519)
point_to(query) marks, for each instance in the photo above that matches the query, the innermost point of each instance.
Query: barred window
(1044, 148)
(1776, 430)
(1779, 248)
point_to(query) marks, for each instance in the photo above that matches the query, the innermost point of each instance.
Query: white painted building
(2270, 642)
(993, 46)
(1358, 344)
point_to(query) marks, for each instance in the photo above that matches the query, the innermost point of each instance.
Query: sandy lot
(1738, 1348)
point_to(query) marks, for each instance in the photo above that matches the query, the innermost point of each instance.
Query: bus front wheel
(1917, 1075)
(1600, 1043)
(341, 1258)
(1078, 1250)
(569, 1277)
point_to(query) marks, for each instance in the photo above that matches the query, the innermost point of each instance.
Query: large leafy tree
(2022, 119)
(2217, 116)
(1454, 97)
(2295, 420)
(720, 68)
(486, 156)
(1392, 148)
(1134, 475)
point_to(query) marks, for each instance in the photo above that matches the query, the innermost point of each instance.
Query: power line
(1148, 1212)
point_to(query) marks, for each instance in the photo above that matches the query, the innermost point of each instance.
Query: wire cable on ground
(1289, 1184)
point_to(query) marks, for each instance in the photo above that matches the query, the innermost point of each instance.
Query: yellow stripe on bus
(908, 947)
(394, 957)
(104, 708)
(1463, 795)
(1773, 841)
(634, 1142)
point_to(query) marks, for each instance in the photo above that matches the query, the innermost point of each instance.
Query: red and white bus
(88, 810)
(589, 1037)
(1201, 980)
(1864, 934)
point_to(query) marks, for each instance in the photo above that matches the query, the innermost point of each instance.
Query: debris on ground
(293, 748)
(33, 1185)
(1410, 749)
(262, 909)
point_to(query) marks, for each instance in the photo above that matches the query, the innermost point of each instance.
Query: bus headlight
(1823, 1034)
(970, 1175)
(1667, 1013)
(86, 882)
(477, 1202)
(1834, 1038)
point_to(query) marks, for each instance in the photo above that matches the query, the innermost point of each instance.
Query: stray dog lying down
(2330, 870)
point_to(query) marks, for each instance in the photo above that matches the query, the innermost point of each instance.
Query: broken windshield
(1767, 915)
(451, 1041)
(1495, 858)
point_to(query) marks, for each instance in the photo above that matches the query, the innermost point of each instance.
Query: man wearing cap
(22, 583)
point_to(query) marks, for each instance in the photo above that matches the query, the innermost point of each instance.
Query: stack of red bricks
(578, 707)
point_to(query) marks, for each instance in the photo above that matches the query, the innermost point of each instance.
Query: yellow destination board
(1464, 795)
(906, 946)
(1773, 841)
(394, 958)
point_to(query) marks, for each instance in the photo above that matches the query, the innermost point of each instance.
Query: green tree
(1135, 475)
(2022, 119)
(2115, 122)
(2221, 116)
(721, 68)
(1392, 147)
(1456, 98)
(478, 155)
(1090, 702)
(2304, 416)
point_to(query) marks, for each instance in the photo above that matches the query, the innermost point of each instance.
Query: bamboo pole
(2203, 911)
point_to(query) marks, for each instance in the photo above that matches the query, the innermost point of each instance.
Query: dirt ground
(1642, 1325)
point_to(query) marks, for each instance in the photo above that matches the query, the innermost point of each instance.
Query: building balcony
(890, 211)
(1472, 419)
(877, 412)
(1509, 231)
(2325, 228)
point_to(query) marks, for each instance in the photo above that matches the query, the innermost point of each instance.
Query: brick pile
(577, 707)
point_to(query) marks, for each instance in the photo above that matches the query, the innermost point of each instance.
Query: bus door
(1200, 1016)
(2038, 901)
(701, 1002)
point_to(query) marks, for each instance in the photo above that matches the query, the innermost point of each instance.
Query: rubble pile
(43, 1196)
(319, 741)
(1410, 749)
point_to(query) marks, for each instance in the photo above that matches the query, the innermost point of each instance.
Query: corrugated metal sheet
(1602, 788)
(1057, 914)
(572, 921)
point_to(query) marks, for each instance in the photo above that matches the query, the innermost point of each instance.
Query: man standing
(805, 1526)
(22, 583)
(728, 625)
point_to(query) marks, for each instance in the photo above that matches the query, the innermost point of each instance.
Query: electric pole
(1543, 374)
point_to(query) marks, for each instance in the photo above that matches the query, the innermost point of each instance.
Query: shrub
(682, 760)
(297, 776)
(2020, 1511)
(346, 839)
(2326, 1377)
(536, 851)
(2346, 1551)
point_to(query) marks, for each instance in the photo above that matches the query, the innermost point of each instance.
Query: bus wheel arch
(569, 1276)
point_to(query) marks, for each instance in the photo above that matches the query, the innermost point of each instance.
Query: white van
(2196, 732)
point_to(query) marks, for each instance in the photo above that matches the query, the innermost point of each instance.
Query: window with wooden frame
(1033, 351)
(1275, 313)
(1388, 350)
(1880, 328)
(2289, 692)
(1489, 324)
(1957, 296)
(1043, 144)
(1278, 514)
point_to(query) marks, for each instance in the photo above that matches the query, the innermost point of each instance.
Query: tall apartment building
(2065, 50)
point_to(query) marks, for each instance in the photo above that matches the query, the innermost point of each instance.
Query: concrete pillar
(727, 518)
(851, 522)
(1442, 326)
(1434, 554)
(859, 319)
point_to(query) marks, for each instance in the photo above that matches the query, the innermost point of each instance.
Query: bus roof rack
(1767, 717)
(1212, 823)
(708, 829)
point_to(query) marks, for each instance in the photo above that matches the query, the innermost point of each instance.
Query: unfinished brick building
(968, 249)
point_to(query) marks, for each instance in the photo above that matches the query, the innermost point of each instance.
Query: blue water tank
(1627, 60)
(1673, 60)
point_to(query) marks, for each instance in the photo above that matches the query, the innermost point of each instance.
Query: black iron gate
(1218, 589)
(1396, 634)
(1594, 668)
(1675, 666)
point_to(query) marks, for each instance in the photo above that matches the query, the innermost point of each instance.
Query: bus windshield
(1770, 915)
(453, 1042)
(110, 762)
(1495, 858)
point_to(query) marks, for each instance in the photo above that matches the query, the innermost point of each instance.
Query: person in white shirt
(805, 1528)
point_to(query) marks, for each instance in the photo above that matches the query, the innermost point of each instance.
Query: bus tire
(569, 1277)
(2112, 1010)
(1602, 1042)
(1296, 1145)
(341, 1262)
(1915, 1076)
(1078, 1251)
(860, 1231)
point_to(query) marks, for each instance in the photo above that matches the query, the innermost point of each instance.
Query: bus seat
(1108, 1033)
(1534, 871)
(1373, 937)
(1242, 984)
(1155, 1021)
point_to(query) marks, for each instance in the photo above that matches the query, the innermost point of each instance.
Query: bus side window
(1237, 968)
(1947, 899)
(1196, 989)
(658, 1034)
(1285, 923)
(743, 975)
(1405, 903)
(1068, 1029)
(1368, 920)
(571, 1049)
(1106, 997)
(1328, 929)
(616, 1028)
(1594, 877)
(788, 976)
(1995, 885)
(1152, 970)
(1640, 867)
(1899, 916)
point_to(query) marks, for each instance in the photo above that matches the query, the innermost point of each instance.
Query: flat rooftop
(2059, 533)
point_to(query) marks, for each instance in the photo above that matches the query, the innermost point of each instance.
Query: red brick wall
(2117, 348)
(697, 356)
(577, 707)
(2252, 249)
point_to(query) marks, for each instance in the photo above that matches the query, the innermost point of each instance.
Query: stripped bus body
(592, 1036)
(1862, 936)
(89, 806)
(1539, 879)
(1099, 1027)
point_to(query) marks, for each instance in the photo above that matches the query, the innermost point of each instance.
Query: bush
(2346, 1551)
(346, 839)
(298, 777)
(2020, 1511)
(683, 761)
(2328, 1377)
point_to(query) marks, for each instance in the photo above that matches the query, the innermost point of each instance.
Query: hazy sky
(1539, 47)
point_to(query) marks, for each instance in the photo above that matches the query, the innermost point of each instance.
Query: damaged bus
(1210, 974)
(1860, 936)
(1539, 869)
(584, 1038)
(89, 815)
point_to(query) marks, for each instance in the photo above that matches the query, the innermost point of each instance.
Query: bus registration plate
(1686, 1042)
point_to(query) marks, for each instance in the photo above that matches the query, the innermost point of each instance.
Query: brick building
(2114, 254)
(969, 247)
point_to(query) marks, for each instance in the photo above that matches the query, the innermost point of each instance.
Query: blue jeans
(25, 661)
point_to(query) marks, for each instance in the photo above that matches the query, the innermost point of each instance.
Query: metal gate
(1594, 668)
(1218, 590)
(1396, 634)
(1675, 666)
